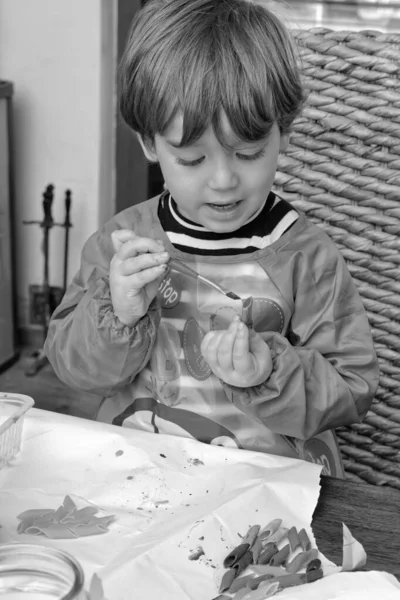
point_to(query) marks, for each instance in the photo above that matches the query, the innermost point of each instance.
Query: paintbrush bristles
(232, 295)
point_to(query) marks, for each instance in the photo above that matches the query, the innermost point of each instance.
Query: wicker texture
(343, 169)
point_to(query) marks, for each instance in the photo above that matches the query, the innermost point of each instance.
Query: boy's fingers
(240, 354)
(142, 278)
(141, 262)
(209, 347)
(120, 236)
(225, 347)
(138, 245)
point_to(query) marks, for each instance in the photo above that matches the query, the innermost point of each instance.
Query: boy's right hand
(136, 271)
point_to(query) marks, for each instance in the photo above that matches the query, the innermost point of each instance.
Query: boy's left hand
(237, 356)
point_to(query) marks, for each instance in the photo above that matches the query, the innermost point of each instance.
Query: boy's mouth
(224, 207)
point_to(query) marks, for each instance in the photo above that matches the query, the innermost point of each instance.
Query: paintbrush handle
(177, 265)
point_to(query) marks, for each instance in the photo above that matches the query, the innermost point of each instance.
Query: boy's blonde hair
(203, 58)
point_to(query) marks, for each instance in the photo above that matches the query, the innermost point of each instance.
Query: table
(372, 513)
(169, 492)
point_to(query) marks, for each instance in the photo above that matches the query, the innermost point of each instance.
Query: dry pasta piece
(65, 522)
(87, 529)
(69, 504)
(103, 521)
(235, 554)
(269, 551)
(55, 531)
(293, 538)
(256, 550)
(82, 515)
(313, 565)
(35, 513)
(227, 580)
(25, 524)
(251, 535)
(304, 540)
(60, 514)
(280, 557)
(270, 529)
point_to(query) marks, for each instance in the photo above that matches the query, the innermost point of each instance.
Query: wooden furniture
(372, 513)
(342, 170)
(7, 271)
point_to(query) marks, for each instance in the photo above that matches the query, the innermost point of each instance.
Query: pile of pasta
(280, 557)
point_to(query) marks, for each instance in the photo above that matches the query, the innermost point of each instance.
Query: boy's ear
(284, 142)
(148, 149)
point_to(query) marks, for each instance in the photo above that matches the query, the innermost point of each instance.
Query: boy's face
(218, 188)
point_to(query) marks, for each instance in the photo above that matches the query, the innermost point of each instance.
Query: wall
(60, 55)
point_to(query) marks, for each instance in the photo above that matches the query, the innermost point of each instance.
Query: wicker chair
(343, 170)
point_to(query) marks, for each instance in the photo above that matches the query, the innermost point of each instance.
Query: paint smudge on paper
(195, 461)
(195, 554)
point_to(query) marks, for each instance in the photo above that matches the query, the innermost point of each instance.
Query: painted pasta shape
(251, 535)
(227, 580)
(240, 594)
(235, 554)
(266, 590)
(268, 552)
(294, 579)
(304, 540)
(254, 582)
(293, 538)
(313, 575)
(313, 565)
(240, 583)
(256, 550)
(279, 535)
(268, 570)
(280, 557)
(243, 562)
(270, 529)
(301, 560)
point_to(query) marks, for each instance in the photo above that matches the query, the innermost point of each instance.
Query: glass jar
(30, 572)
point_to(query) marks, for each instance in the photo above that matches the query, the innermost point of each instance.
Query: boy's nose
(224, 176)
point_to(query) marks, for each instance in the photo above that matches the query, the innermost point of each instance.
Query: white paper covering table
(166, 492)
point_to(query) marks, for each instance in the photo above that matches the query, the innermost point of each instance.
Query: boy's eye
(189, 163)
(197, 161)
(255, 156)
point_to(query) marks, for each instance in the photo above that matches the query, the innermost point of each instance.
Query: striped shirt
(264, 228)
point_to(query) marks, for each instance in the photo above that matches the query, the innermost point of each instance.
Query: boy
(211, 87)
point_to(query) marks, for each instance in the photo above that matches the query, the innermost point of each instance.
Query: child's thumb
(120, 236)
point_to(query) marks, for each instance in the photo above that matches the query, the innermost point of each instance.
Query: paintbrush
(247, 303)
(177, 265)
